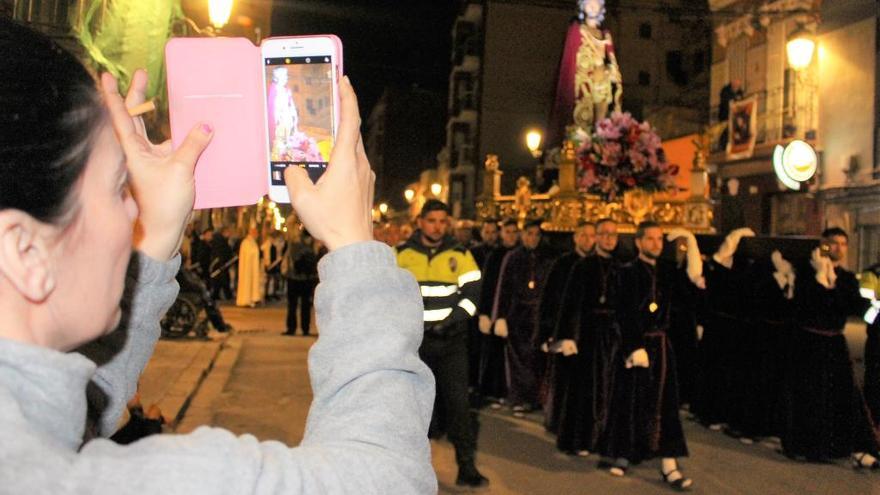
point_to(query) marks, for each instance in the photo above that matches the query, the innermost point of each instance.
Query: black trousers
(448, 359)
(220, 287)
(302, 291)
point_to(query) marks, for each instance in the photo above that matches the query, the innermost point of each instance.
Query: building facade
(831, 104)
(506, 56)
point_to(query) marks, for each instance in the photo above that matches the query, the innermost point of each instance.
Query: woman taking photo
(77, 178)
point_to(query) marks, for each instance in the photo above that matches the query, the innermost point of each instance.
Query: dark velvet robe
(492, 381)
(683, 334)
(872, 372)
(588, 316)
(717, 389)
(556, 375)
(523, 274)
(826, 415)
(767, 338)
(643, 421)
(475, 339)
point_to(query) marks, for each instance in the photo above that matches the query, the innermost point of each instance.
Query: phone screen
(299, 103)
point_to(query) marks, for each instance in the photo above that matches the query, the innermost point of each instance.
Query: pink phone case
(219, 81)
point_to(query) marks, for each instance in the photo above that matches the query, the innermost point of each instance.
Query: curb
(198, 408)
(178, 398)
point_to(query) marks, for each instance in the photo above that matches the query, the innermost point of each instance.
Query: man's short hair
(834, 232)
(509, 221)
(434, 205)
(584, 223)
(490, 221)
(644, 226)
(535, 222)
(604, 220)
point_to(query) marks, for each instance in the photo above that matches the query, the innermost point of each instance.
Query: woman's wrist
(161, 245)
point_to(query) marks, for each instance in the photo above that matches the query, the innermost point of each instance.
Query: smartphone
(301, 94)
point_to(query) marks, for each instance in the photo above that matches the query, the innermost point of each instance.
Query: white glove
(638, 359)
(700, 331)
(485, 325)
(501, 328)
(824, 269)
(694, 260)
(568, 347)
(724, 256)
(784, 274)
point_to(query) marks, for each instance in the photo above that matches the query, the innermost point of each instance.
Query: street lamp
(533, 142)
(219, 12)
(800, 48)
(409, 194)
(383, 208)
(436, 189)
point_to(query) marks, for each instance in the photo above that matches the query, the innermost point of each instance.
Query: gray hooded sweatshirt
(366, 431)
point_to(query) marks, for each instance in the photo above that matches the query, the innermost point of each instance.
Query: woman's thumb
(298, 181)
(192, 147)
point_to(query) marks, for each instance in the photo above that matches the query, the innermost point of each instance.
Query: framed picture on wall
(742, 126)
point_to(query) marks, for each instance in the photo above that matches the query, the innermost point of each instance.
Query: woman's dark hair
(50, 110)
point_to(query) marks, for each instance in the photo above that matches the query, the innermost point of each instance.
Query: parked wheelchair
(193, 310)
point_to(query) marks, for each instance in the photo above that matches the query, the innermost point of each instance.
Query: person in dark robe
(770, 305)
(556, 374)
(683, 325)
(870, 289)
(729, 93)
(493, 376)
(523, 273)
(488, 243)
(587, 338)
(201, 256)
(221, 255)
(826, 415)
(489, 232)
(715, 395)
(643, 421)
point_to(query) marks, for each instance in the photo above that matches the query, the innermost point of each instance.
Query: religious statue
(522, 201)
(598, 84)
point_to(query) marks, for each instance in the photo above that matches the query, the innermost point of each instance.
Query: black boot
(469, 476)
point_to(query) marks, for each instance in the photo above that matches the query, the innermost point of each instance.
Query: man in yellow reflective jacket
(449, 280)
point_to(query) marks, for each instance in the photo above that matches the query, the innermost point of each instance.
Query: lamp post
(219, 12)
(533, 143)
(800, 48)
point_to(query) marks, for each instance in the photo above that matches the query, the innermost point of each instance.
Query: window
(644, 78)
(699, 63)
(645, 31)
(675, 67)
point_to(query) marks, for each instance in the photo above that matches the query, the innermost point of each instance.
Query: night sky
(386, 42)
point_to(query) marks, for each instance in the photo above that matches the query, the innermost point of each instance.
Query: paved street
(259, 385)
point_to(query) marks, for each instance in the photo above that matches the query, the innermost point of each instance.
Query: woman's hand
(161, 178)
(336, 210)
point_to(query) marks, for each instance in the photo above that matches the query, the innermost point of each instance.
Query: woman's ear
(24, 255)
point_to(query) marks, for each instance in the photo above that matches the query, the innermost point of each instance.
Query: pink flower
(606, 129)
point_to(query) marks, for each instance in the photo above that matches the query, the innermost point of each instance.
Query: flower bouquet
(622, 154)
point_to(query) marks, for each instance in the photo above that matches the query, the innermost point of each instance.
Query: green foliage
(120, 36)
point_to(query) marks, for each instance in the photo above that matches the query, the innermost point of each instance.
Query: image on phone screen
(299, 97)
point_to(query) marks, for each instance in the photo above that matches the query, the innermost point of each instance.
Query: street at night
(406, 247)
(260, 386)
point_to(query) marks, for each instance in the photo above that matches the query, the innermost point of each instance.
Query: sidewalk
(175, 371)
(179, 368)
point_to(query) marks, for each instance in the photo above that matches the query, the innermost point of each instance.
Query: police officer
(449, 280)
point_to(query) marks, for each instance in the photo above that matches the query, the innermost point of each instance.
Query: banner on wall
(742, 128)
